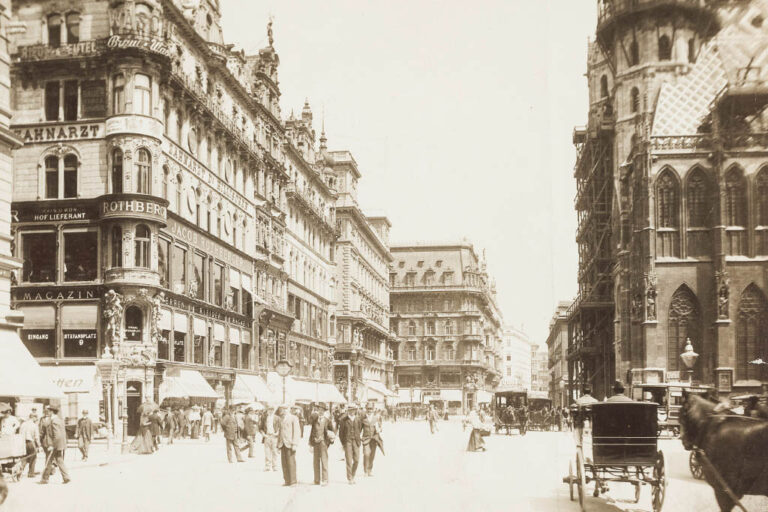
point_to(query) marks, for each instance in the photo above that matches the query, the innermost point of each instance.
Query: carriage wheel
(580, 478)
(571, 478)
(696, 470)
(659, 483)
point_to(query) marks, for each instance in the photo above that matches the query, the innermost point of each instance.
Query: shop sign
(80, 343)
(36, 213)
(131, 207)
(59, 132)
(40, 342)
(134, 124)
(133, 332)
(207, 311)
(40, 294)
(45, 52)
(151, 45)
(208, 245)
(189, 163)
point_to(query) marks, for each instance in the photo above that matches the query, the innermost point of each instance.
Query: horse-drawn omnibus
(539, 411)
(669, 397)
(621, 447)
(510, 410)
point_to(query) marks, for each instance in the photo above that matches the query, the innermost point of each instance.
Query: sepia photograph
(384, 255)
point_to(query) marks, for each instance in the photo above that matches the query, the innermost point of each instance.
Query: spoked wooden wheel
(659, 483)
(580, 478)
(693, 463)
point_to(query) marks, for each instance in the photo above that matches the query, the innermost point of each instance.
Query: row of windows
(427, 279)
(49, 257)
(685, 322)
(435, 305)
(699, 204)
(310, 319)
(433, 328)
(663, 49)
(63, 29)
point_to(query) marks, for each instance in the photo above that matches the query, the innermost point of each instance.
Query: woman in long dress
(142, 443)
(476, 442)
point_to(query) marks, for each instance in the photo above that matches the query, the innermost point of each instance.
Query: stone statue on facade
(113, 313)
(650, 297)
(722, 294)
(157, 300)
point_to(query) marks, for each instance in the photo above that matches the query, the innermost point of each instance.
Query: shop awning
(252, 388)
(484, 397)
(378, 388)
(187, 384)
(74, 379)
(451, 395)
(295, 390)
(409, 395)
(20, 375)
(330, 393)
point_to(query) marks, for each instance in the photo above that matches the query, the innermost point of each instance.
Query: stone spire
(323, 140)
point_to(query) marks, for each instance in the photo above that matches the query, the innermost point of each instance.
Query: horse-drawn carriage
(510, 410)
(617, 442)
(539, 412)
(669, 397)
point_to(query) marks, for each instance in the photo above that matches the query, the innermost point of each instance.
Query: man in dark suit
(319, 440)
(350, 427)
(249, 422)
(155, 428)
(369, 430)
(229, 426)
(56, 432)
(84, 434)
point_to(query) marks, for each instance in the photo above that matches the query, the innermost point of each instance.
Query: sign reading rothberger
(131, 207)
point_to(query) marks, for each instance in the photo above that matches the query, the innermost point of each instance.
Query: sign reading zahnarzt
(59, 132)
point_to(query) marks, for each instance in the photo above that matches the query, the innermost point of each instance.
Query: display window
(80, 256)
(39, 333)
(39, 252)
(79, 324)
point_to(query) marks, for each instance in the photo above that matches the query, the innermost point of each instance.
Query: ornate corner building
(672, 197)
(444, 311)
(153, 198)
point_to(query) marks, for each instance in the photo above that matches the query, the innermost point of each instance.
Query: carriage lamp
(689, 358)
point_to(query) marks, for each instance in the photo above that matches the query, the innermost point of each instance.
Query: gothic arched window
(735, 212)
(751, 334)
(668, 216)
(697, 212)
(665, 48)
(761, 208)
(603, 86)
(684, 324)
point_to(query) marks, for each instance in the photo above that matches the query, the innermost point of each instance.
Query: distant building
(539, 370)
(444, 310)
(516, 358)
(557, 349)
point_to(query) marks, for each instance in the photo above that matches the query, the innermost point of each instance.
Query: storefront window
(162, 349)
(218, 284)
(39, 333)
(80, 256)
(134, 324)
(79, 323)
(179, 268)
(198, 277)
(39, 257)
(199, 349)
(163, 250)
(179, 342)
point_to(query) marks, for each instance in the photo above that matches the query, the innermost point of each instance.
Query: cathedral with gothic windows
(673, 199)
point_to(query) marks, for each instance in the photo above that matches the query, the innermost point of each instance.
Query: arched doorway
(133, 396)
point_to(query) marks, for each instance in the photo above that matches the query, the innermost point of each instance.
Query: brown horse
(736, 447)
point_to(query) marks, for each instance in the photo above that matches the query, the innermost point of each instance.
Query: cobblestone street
(420, 472)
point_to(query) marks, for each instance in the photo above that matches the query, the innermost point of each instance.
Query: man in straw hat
(269, 426)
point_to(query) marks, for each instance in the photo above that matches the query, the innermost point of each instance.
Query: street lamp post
(283, 368)
(689, 358)
(108, 368)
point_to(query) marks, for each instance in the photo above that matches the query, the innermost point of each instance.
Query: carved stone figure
(722, 295)
(650, 297)
(113, 312)
(157, 300)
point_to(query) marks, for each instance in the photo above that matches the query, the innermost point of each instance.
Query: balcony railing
(306, 200)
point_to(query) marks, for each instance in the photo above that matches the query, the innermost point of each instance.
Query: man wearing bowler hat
(288, 441)
(350, 428)
(320, 437)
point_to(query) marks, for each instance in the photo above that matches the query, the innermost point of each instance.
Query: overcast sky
(459, 115)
